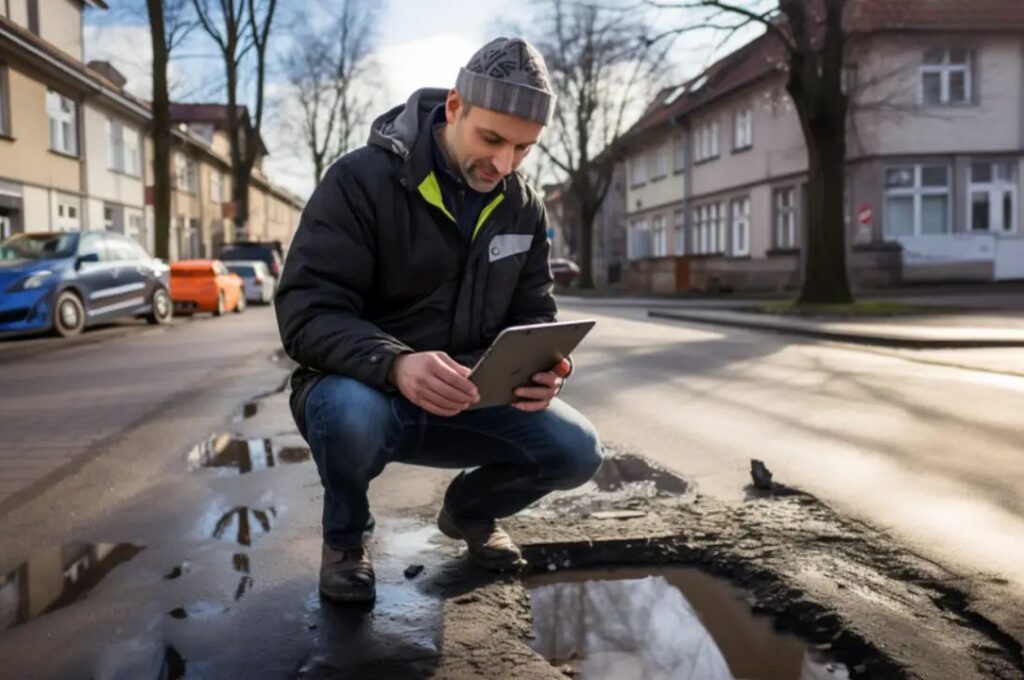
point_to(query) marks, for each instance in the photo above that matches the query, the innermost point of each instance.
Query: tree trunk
(586, 262)
(161, 133)
(825, 275)
(239, 175)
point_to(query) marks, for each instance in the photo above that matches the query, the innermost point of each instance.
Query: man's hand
(549, 384)
(435, 382)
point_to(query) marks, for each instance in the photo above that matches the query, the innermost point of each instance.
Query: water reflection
(243, 455)
(631, 624)
(242, 524)
(57, 578)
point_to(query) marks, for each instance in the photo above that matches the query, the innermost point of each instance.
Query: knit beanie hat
(508, 75)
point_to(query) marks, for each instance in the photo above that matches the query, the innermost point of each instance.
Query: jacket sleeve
(533, 301)
(327, 277)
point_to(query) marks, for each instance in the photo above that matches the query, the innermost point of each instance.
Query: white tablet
(518, 353)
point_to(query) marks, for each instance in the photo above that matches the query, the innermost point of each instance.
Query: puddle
(243, 455)
(250, 409)
(622, 471)
(665, 623)
(197, 610)
(57, 578)
(240, 561)
(242, 524)
(140, 658)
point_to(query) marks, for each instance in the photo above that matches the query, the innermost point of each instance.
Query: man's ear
(452, 105)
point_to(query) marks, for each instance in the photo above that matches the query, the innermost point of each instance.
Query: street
(99, 440)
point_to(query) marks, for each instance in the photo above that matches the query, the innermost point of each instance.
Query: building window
(707, 141)
(785, 218)
(657, 160)
(638, 243)
(215, 186)
(63, 115)
(5, 102)
(993, 197)
(743, 129)
(185, 173)
(708, 229)
(659, 237)
(679, 155)
(917, 200)
(638, 170)
(741, 227)
(946, 77)
(679, 222)
(33, 16)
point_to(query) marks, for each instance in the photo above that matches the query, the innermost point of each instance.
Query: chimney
(107, 70)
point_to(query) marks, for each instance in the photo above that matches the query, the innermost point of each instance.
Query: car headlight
(32, 281)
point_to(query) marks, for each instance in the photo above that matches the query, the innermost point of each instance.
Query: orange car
(205, 286)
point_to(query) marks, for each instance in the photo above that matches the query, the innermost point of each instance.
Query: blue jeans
(516, 458)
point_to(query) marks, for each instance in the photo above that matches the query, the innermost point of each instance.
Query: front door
(6, 226)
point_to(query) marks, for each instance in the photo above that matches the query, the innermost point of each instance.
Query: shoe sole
(350, 598)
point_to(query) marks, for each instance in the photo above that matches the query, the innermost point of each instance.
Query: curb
(860, 338)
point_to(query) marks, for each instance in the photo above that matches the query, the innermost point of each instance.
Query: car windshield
(246, 253)
(242, 269)
(38, 246)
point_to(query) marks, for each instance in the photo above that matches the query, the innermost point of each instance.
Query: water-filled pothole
(243, 455)
(57, 578)
(621, 471)
(668, 622)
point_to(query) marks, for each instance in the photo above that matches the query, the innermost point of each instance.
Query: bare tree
(812, 40)
(243, 26)
(601, 60)
(169, 22)
(327, 68)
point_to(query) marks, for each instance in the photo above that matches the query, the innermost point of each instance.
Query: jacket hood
(397, 129)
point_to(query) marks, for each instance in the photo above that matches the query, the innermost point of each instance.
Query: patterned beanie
(508, 75)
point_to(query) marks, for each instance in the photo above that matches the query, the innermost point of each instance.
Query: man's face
(487, 145)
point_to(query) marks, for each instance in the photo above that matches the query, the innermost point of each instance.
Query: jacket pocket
(505, 245)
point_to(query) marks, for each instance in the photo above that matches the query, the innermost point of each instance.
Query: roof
(761, 56)
(917, 15)
(214, 114)
(68, 63)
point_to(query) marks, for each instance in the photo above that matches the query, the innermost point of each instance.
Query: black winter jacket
(378, 267)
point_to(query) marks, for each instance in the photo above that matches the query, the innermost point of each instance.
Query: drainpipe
(83, 164)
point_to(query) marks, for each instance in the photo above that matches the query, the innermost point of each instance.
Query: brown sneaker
(347, 575)
(489, 546)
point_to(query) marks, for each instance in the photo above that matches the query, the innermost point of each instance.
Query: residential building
(75, 150)
(934, 158)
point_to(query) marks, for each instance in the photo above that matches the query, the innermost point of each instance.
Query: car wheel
(161, 309)
(220, 304)
(240, 305)
(68, 314)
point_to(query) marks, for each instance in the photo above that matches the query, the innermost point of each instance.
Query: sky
(421, 43)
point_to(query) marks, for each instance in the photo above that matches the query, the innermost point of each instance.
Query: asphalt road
(61, 399)
(930, 453)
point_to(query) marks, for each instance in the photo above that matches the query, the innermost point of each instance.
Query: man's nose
(503, 161)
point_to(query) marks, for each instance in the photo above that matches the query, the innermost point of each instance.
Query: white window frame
(132, 146)
(659, 162)
(784, 218)
(740, 213)
(185, 173)
(743, 129)
(997, 187)
(707, 141)
(62, 114)
(216, 186)
(638, 242)
(679, 225)
(709, 229)
(917, 191)
(638, 170)
(115, 145)
(659, 237)
(945, 69)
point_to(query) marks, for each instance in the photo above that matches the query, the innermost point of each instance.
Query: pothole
(57, 578)
(627, 471)
(668, 622)
(228, 453)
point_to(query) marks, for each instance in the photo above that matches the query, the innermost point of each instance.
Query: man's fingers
(536, 393)
(562, 368)
(547, 378)
(454, 365)
(446, 399)
(455, 378)
(429, 403)
(437, 385)
(531, 406)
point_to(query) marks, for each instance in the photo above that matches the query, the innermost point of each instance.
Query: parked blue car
(63, 282)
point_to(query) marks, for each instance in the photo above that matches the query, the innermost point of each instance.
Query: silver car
(260, 284)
